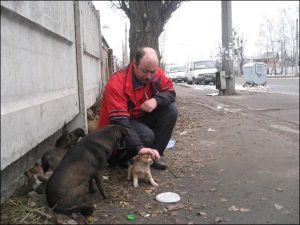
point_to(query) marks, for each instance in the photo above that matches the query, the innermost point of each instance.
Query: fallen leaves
(244, 210)
(234, 209)
(201, 213)
(279, 207)
(218, 219)
(223, 200)
(176, 206)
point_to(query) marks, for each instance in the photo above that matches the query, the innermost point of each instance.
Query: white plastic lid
(167, 197)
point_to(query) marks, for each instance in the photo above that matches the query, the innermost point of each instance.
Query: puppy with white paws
(141, 169)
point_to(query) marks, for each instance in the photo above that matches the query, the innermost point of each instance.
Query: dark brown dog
(73, 178)
(52, 157)
(70, 138)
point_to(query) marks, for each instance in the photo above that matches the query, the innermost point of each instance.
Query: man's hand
(154, 153)
(149, 105)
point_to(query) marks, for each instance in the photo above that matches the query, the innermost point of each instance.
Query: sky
(194, 30)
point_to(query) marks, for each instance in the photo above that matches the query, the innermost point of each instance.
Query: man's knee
(148, 138)
(174, 110)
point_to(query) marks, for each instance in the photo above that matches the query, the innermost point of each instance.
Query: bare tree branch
(168, 7)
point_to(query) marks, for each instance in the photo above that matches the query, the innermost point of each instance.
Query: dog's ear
(125, 131)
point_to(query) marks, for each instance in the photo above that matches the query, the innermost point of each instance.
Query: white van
(200, 71)
(176, 73)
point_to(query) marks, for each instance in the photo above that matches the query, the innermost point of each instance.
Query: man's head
(145, 64)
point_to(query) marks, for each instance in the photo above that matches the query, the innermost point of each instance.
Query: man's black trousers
(154, 129)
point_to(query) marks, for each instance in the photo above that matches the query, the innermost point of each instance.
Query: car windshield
(204, 64)
(176, 69)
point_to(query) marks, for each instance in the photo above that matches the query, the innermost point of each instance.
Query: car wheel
(194, 81)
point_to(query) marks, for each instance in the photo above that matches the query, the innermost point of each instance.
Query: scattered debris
(218, 219)
(212, 94)
(244, 210)
(233, 209)
(278, 206)
(202, 213)
(223, 200)
(183, 133)
(211, 130)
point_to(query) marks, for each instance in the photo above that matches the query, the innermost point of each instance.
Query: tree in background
(277, 35)
(238, 47)
(147, 21)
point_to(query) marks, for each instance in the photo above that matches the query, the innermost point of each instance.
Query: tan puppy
(92, 125)
(141, 169)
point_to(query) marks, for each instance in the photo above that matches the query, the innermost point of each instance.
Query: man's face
(146, 69)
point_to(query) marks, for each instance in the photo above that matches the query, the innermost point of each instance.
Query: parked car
(200, 71)
(176, 73)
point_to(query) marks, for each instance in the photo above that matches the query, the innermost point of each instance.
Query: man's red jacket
(124, 95)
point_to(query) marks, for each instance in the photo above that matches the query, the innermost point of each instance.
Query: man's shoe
(157, 164)
(124, 165)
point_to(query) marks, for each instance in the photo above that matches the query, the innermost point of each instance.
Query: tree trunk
(145, 25)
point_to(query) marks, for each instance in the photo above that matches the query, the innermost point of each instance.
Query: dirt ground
(219, 172)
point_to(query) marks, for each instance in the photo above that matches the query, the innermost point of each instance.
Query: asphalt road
(278, 85)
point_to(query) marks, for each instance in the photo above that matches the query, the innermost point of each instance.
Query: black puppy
(70, 138)
(73, 178)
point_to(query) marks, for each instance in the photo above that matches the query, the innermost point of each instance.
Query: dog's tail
(85, 210)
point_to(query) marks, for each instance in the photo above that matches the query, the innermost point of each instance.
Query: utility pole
(227, 54)
(126, 53)
(124, 48)
(297, 50)
(281, 57)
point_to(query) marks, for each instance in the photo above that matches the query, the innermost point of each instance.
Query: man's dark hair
(140, 54)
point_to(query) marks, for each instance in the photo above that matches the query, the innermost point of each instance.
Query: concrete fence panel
(38, 73)
(50, 74)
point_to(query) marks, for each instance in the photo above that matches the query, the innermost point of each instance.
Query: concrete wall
(51, 54)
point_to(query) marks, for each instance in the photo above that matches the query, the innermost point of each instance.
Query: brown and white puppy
(85, 161)
(33, 171)
(39, 174)
(32, 175)
(38, 178)
(141, 169)
(70, 138)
